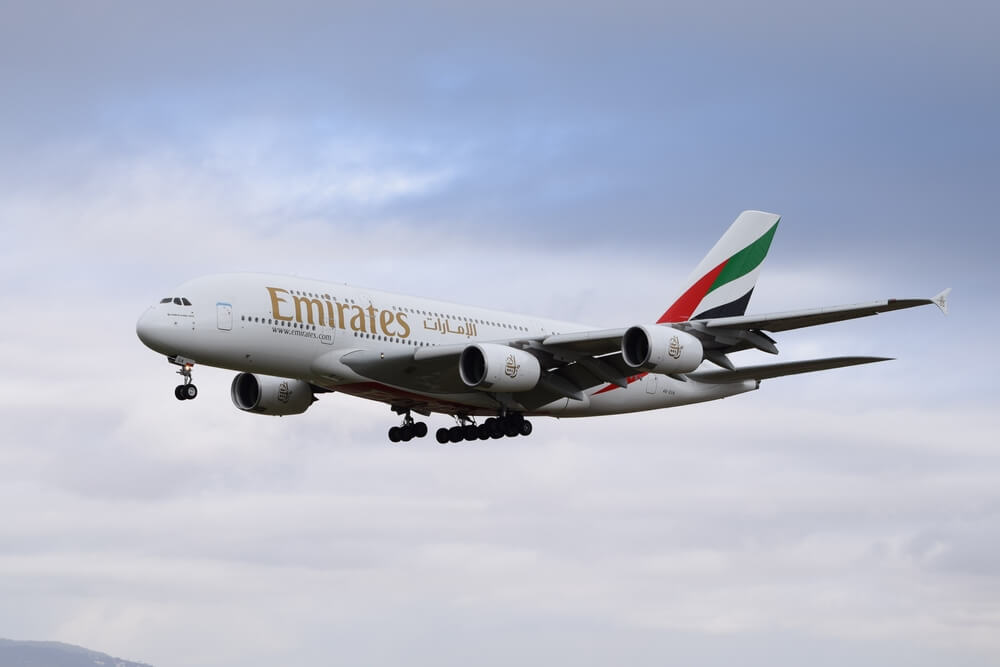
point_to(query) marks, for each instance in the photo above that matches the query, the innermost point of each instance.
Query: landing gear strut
(409, 430)
(186, 391)
(509, 425)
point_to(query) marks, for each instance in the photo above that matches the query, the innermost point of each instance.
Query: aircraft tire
(495, 426)
(484, 432)
(442, 435)
(456, 434)
(177, 392)
(406, 433)
(420, 429)
(526, 427)
(394, 434)
(511, 428)
(471, 432)
(190, 392)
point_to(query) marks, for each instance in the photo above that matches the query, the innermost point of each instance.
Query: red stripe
(629, 380)
(683, 308)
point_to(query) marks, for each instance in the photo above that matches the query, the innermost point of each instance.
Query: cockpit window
(165, 299)
(185, 301)
(177, 301)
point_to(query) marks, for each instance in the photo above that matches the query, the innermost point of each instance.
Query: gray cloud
(544, 158)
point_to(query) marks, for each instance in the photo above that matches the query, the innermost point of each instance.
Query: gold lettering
(371, 316)
(309, 303)
(401, 320)
(330, 316)
(358, 319)
(385, 319)
(340, 314)
(275, 300)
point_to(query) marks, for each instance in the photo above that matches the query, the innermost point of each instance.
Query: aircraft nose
(144, 328)
(156, 332)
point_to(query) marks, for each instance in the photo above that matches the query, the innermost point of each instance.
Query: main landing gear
(510, 425)
(409, 430)
(186, 391)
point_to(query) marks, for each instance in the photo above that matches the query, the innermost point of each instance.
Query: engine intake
(267, 395)
(492, 367)
(661, 349)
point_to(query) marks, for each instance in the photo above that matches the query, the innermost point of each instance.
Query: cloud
(564, 161)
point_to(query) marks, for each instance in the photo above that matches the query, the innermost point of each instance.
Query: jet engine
(267, 395)
(493, 367)
(661, 349)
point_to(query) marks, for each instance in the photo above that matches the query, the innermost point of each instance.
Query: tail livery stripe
(738, 265)
(745, 260)
(684, 306)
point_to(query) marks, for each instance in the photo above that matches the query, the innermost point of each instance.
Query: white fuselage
(298, 328)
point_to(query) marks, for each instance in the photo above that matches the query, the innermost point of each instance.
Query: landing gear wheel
(409, 429)
(456, 434)
(186, 392)
(471, 432)
(442, 435)
(483, 432)
(511, 428)
(525, 427)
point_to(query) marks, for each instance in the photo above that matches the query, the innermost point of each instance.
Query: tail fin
(722, 283)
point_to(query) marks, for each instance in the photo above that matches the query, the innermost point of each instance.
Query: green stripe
(745, 260)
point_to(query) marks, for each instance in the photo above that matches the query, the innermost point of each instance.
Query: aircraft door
(224, 316)
(650, 382)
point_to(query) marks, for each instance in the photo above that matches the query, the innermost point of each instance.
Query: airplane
(291, 339)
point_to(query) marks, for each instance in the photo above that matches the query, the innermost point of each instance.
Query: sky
(547, 158)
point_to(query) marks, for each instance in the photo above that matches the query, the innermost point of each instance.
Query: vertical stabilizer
(722, 283)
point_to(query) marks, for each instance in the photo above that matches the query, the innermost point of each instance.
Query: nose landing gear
(186, 391)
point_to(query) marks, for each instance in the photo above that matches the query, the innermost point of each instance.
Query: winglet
(941, 300)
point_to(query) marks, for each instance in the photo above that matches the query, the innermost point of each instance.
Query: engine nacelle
(493, 367)
(661, 349)
(267, 395)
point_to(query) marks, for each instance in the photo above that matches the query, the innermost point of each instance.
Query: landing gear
(510, 425)
(409, 430)
(186, 391)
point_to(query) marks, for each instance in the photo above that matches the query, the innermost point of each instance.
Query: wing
(722, 335)
(572, 363)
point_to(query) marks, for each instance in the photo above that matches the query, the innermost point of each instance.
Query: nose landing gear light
(186, 391)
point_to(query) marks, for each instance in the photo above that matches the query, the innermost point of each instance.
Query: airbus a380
(291, 338)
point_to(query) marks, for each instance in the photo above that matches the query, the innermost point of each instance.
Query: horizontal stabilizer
(778, 370)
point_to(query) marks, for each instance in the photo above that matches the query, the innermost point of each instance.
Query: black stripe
(731, 309)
